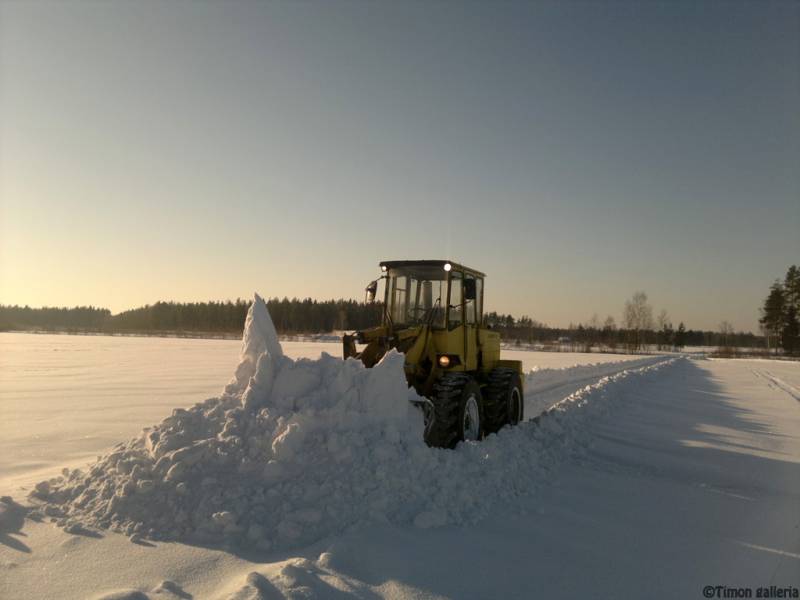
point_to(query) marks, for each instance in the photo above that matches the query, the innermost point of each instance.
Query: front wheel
(505, 403)
(457, 413)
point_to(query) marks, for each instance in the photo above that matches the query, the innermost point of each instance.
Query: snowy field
(656, 476)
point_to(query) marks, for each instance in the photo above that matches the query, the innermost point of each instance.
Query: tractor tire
(505, 404)
(457, 411)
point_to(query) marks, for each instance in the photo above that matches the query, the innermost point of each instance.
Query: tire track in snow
(776, 382)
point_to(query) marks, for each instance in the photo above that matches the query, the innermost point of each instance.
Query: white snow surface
(662, 478)
(308, 478)
(296, 450)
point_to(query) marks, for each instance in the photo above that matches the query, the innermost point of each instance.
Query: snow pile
(293, 451)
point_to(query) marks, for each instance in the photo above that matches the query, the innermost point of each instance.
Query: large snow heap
(293, 451)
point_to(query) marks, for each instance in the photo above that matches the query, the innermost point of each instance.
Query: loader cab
(438, 293)
(415, 295)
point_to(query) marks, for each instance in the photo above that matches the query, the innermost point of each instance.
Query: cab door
(473, 313)
(455, 319)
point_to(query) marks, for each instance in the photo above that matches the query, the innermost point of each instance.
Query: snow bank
(546, 386)
(296, 450)
(542, 380)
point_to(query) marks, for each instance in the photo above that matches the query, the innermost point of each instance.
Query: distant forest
(290, 317)
(307, 316)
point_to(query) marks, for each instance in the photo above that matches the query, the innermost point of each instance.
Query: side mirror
(470, 289)
(372, 289)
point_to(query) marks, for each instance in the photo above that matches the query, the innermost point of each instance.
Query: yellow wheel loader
(433, 313)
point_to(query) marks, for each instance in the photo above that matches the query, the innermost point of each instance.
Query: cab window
(474, 306)
(455, 312)
(479, 300)
(416, 296)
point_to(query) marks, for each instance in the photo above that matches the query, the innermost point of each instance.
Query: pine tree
(680, 336)
(791, 288)
(669, 336)
(790, 334)
(664, 335)
(773, 312)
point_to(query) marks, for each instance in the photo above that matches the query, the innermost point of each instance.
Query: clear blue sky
(575, 152)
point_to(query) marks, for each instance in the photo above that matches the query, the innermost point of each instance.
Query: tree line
(637, 329)
(47, 318)
(290, 317)
(780, 313)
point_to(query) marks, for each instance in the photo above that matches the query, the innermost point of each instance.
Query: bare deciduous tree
(637, 318)
(726, 332)
(609, 334)
(665, 333)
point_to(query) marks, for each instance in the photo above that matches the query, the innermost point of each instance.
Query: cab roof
(393, 264)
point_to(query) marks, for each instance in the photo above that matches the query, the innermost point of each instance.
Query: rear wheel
(505, 403)
(457, 412)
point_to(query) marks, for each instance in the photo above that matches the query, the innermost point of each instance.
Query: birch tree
(637, 319)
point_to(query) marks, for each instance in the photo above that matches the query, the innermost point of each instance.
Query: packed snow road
(676, 478)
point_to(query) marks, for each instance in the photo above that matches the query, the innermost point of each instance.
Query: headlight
(444, 361)
(447, 266)
(384, 268)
